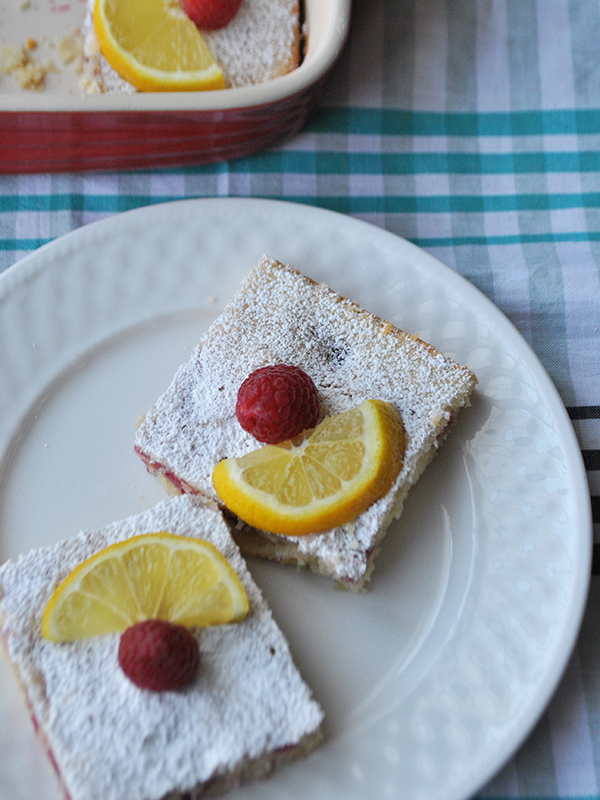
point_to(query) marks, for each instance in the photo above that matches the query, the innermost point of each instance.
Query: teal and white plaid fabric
(471, 127)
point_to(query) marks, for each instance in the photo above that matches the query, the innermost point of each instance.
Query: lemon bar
(247, 712)
(262, 42)
(281, 316)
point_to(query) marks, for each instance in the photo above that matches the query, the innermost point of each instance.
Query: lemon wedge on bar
(324, 478)
(153, 576)
(155, 46)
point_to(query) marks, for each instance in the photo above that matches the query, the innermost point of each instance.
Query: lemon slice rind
(87, 603)
(142, 75)
(236, 483)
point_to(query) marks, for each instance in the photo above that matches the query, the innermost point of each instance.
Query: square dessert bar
(280, 316)
(262, 42)
(247, 711)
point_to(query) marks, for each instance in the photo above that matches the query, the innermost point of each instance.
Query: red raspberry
(159, 655)
(211, 14)
(277, 403)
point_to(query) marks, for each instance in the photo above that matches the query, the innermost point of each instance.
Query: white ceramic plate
(431, 679)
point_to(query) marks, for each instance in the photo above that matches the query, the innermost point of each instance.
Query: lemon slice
(155, 46)
(153, 576)
(326, 477)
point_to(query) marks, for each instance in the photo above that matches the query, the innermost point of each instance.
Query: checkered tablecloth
(472, 128)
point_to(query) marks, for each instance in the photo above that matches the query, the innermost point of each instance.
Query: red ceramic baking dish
(58, 129)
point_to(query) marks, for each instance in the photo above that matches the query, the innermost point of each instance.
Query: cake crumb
(23, 5)
(89, 85)
(69, 49)
(31, 43)
(29, 72)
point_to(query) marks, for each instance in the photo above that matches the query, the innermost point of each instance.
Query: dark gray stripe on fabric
(525, 83)
(461, 77)
(399, 53)
(461, 86)
(585, 41)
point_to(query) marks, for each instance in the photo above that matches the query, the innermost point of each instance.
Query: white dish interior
(46, 20)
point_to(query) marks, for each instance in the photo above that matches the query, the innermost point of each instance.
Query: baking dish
(59, 129)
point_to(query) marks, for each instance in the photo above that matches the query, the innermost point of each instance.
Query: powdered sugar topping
(260, 43)
(280, 316)
(113, 740)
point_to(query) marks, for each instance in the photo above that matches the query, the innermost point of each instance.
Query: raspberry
(277, 403)
(211, 14)
(159, 655)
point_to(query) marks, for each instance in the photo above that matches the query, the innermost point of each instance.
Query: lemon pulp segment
(155, 46)
(152, 576)
(323, 479)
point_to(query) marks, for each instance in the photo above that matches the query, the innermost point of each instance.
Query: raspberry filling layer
(156, 468)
